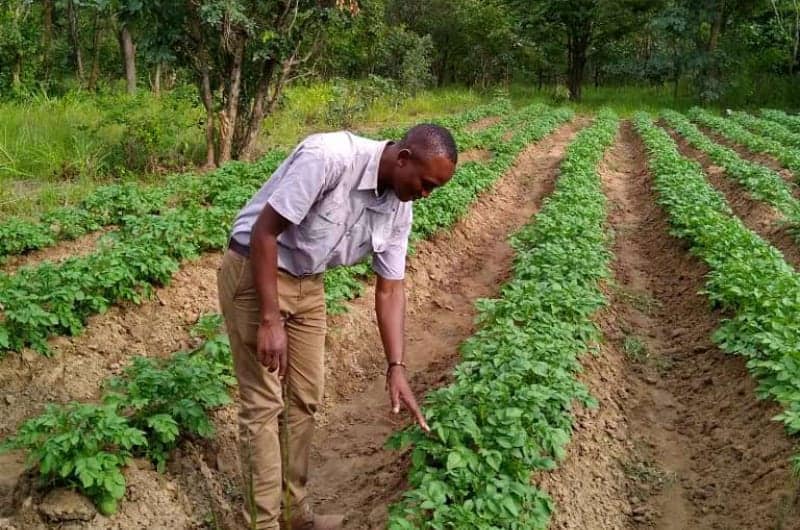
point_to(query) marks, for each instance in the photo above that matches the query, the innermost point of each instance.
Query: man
(335, 199)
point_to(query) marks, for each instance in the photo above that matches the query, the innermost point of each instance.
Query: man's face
(417, 178)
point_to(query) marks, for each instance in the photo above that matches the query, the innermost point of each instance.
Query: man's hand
(400, 392)
(271, 348)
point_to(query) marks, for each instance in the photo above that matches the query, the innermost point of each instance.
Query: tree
(242, 53)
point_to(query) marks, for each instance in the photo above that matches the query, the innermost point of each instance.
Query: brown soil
(79, 364)
(483, 123)
(474, 155)
(759, 158)
(62, 250)
(759, 217)
(678, 439)
(445, 276)
(705, 453)
(589, 485)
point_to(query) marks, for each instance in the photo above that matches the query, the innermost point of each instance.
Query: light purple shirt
(328, 190)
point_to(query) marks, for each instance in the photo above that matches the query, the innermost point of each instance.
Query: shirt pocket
(325, 223)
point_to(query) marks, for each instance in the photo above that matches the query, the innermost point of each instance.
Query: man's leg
(304, 387)
(259, 392)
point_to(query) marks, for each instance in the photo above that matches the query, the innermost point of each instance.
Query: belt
(242, 250)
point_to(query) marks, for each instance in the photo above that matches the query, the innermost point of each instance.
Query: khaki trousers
(264, 446)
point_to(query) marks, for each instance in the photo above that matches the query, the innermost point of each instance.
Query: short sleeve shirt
(327, 188)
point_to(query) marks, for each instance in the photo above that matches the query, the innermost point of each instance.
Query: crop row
(768, 128)
(115, 204)
(508, 413)
(762, 183)
(52, 299)
(748, 278)
(143, 412)
(790, 121)
(734, 132)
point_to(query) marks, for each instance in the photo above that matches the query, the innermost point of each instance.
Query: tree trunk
(258, 112)
(229, 115)
(128, 57)
(16, 72)
(157, 80)
(208, 103)
(47, 36)
(72, 15)
(716, 27)
(676, 80)
(577, 47)
(796, 40)
(95, 72)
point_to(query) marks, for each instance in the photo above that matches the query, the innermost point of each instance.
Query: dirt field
(678, 440)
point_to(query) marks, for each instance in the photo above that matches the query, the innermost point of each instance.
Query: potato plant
(790, 158)
(144, 412)
(790, 121)
(768, 128)
(762, 183)
(748, 278)
(508, 413)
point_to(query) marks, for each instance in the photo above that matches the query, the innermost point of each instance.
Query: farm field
(601, 317)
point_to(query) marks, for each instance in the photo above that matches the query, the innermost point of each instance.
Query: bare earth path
(705, 453)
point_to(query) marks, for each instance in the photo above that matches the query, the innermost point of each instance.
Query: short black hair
(430, 139)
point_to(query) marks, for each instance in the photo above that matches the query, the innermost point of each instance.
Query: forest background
(94, 91)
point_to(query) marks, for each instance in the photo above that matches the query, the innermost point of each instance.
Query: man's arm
(271, 341)
(390, 308)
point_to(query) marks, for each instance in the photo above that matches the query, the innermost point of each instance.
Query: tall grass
(319, 107)
(54, 151)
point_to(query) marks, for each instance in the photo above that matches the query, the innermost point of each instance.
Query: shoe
(316, 521)
(320, 522)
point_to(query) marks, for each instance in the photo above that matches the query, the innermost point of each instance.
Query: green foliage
(349, 101)
(791, 122)
(145, 412)
(762, 183)
(167, 398)
(81, 446)
(734, 132)
(770, 129)
(447, 204)
(748, 278)
(508, 412)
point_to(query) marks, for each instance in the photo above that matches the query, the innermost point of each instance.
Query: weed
(635, 348)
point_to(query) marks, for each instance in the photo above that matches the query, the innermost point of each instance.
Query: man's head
(419, 163)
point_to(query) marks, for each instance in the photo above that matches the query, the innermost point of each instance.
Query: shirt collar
(369, 180)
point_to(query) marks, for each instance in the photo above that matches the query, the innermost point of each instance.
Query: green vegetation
(762, 183)
(748, 278)
(791, 122)
(51, 299)
(508, 411)
(768, 128)
(145, 413)
(790, 158)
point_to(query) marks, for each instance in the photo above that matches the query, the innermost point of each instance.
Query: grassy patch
(635, 348)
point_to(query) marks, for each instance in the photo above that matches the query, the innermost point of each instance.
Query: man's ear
(403, 157)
